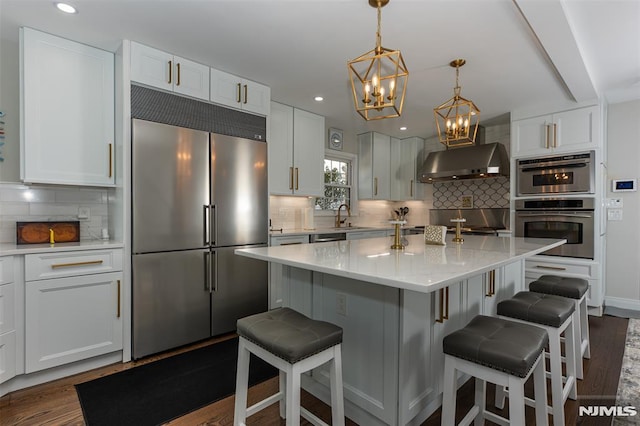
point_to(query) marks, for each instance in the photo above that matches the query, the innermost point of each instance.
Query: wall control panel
(624, 185)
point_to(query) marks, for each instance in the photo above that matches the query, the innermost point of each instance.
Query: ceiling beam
(549, 22)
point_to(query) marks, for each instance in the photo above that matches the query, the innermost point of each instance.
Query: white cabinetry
(7, 320)
(589, 270)
(361, 235)
(163, 70)
(565, 131)
(236, 92)
(276, 277)
(296, 152)
(374, 167)
(67, 100)
(405, 154)
(73, 306)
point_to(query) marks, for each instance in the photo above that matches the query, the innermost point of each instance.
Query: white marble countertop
(7, 249)
(419, 267)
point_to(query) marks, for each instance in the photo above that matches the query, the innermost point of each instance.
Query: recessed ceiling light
(403, 128)
(318, 99)
(66, 8)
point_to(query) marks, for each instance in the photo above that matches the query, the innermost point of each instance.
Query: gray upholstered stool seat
(289, 334)
(576, 289)
(573, 288)
(556, 315)
(294, 344)
(538, 308)
(499, 351)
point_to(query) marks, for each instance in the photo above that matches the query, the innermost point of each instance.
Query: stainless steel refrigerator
(197, 196)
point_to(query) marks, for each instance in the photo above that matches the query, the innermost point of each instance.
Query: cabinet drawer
(293, 239)
(7, 308)
(7, 356)
(51, 265)
(561, 268)
(6, 269)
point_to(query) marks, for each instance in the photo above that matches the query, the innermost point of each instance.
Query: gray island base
(395, 307)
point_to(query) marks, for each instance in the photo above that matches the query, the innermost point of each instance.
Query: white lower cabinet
(75, 317)
(361, 235)
(276, 278)
(7, 320)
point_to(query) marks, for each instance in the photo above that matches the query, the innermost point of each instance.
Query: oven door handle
(586, 216)
(554, 167)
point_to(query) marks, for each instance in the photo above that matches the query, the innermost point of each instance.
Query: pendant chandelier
(378, 78)
(457, 119)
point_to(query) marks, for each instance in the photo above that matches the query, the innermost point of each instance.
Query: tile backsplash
(473, 193)
(31, 203)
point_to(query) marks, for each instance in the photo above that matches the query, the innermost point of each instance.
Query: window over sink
(338, 183)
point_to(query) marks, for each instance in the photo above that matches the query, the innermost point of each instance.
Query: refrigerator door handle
(215, 272)
(207, 232)
(214, 226)
(207, 271)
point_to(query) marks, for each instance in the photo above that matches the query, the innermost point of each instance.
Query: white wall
(623, 237)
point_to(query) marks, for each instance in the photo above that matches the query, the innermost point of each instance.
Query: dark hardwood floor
(56, 403)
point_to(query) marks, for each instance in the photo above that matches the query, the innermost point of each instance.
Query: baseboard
(617, 306)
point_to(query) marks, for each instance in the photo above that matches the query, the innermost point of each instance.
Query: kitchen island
(395, 307)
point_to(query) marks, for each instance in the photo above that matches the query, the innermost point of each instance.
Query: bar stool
(294, 344)
(576, 289)
(498, 351)
(555, 315)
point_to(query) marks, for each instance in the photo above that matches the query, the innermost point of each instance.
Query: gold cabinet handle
(375, 186)
(555, 135)
(553, 268)
(290, 177)
(110, 160)
(178, 79)
(297, 179)
(491, 285)
(245, 94)
(546, 137)
(443, 296)
(170, 71)
(118, 310)
(68, 265)
(239, 94)
(446, 292)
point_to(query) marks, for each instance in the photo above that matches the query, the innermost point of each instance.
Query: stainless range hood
(473, 162)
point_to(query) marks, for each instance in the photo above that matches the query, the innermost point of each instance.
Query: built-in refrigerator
(197, 197)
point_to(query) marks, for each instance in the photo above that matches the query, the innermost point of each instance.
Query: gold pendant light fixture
(378, 78)
(457, 119)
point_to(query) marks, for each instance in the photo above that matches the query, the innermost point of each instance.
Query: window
(337, 184)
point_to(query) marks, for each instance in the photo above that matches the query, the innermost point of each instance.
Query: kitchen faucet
(338, 221)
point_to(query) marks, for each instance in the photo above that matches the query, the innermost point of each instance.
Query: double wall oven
(567, 206)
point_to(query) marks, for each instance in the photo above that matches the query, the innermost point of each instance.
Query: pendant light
(378, 78)
(457, 119)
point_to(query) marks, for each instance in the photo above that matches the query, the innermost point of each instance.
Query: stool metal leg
(335, 374)
(242, 381)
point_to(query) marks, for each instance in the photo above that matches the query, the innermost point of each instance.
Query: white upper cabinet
(374, 167)
(296, 152)
(236, 92)
(163, 70)
(404, 163)
(566, 131)
(67, 99)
